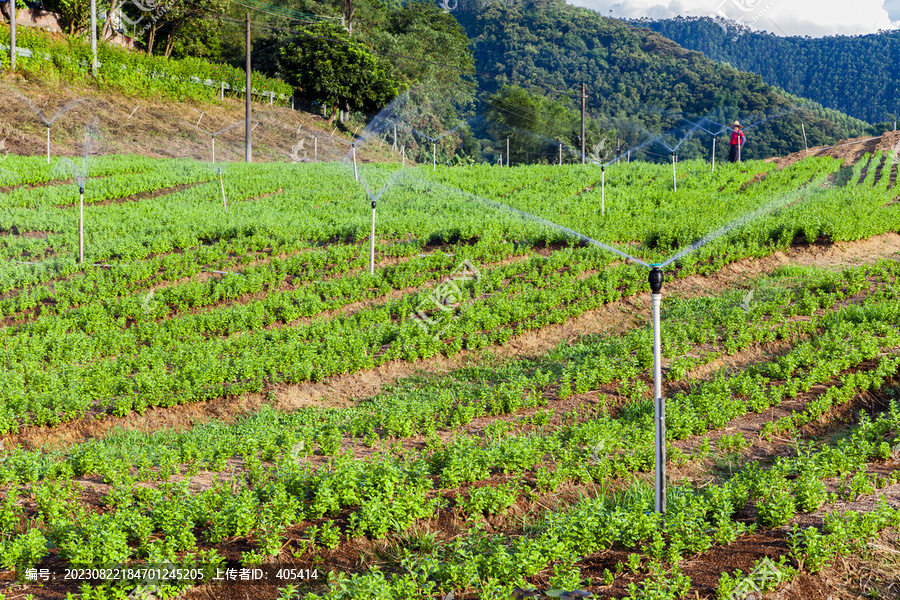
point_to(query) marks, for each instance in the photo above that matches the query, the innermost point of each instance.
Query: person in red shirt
(737, 140)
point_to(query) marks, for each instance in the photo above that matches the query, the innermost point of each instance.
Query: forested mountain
(637, 80)
(857, 75)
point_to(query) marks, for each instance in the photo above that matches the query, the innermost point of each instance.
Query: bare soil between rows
(346, 389)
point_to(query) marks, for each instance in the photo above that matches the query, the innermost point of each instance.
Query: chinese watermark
(445, 298)
(745, 13)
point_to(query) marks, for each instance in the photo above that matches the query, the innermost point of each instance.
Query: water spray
(213, 135)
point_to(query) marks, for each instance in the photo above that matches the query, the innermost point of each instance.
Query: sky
(815, 18)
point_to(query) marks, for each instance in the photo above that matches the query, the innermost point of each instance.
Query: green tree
(326, 65)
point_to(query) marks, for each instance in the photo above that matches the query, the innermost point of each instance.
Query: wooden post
(583, 98)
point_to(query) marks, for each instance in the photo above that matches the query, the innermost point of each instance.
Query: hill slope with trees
(856, 75)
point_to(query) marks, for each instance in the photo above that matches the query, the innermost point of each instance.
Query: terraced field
(225, 387)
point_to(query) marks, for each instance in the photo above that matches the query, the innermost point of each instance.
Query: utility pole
(583, 98)
(94, 38)
(12, 38)
(248, 154)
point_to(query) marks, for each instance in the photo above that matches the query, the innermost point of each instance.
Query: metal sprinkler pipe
(81, 225)
(433, 155)
(713, 161)
(674, 177)
(355, 172)
(214, 149)
(659, 409)
(603, 190)
(372, 242)
(48, 143)
(316, 148)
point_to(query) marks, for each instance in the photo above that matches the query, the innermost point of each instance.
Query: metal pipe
(803, 129)
(674, 177)
(12, 39)
(94, 38)
(713, 161)
(355, 173)
(603, 190)
(248, 152)
(433, 156)
(372, 243)
(316, 148)
(81, 226)
(213, 149)
(48, 144)
(659, 410)
(560, 154)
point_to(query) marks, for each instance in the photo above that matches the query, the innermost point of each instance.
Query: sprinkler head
(655, 279)
(373, 204)
(602, 167)
(81, 189)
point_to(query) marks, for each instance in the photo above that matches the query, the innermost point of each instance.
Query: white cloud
(781, 17)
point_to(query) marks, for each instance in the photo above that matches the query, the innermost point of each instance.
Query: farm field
(225, 385)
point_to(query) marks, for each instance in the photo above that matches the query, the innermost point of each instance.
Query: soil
(849, 150)
(345, 390)
(162, 128)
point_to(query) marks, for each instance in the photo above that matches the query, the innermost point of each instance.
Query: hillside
(161, 128)
(637, 80)
(856, 75)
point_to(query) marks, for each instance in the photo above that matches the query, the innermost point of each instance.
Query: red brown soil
(849, 150)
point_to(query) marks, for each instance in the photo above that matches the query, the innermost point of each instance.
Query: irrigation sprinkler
(81, 225)
(48, 122)
(603, 190)
(403, 153)
(560, 154)
(372, 241)
(224, 199)
(659, 405)
(674, 175)
(803, 129)
(316, 148)
(213, 135)
(712, 160)
(355, 172)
